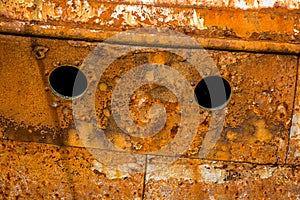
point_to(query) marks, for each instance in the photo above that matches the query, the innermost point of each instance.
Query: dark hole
(212, 92)
(68, 81)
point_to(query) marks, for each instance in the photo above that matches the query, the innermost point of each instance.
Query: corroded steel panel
(257, 117)
(41, 171)
(32, 170)
(91, 179)
(23, 98)
(97, 21)
(254, 45)
(194, 179)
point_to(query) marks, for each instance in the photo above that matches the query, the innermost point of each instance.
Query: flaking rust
(267, 25)
(250, 160)
(240, 4)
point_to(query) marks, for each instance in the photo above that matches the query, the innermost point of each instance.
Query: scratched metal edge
(61, 32)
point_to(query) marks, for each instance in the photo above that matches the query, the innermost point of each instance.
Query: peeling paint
(137, 14)
(294, 146)
(295, 129)
(241, 4)
(105, 16)
(266, 172)
(211, 175)
(110, 173)
(206, 173)
(197, 21)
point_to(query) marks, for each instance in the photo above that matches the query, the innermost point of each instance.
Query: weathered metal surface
(91, 179)
(194, 179)
(41, 171)
(23, 98)
(97, 21)
(33, 171)
(257, 120)
(259, 114)
(259, 141)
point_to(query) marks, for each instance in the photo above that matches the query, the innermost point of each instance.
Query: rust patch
(258, 116)
(91, 179)
(96, 21)
(40, 52)
(41, 171)
(24, 103)
(194, 179)
(257, 120)
(31, 170)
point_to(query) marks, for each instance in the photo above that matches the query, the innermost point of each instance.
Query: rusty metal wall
(255, 45)
(274, 29)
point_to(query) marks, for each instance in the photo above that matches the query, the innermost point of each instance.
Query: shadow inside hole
(68, 82)
(212, 92)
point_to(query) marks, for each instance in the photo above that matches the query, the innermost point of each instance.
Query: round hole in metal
(68, 82)
(212, 92)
